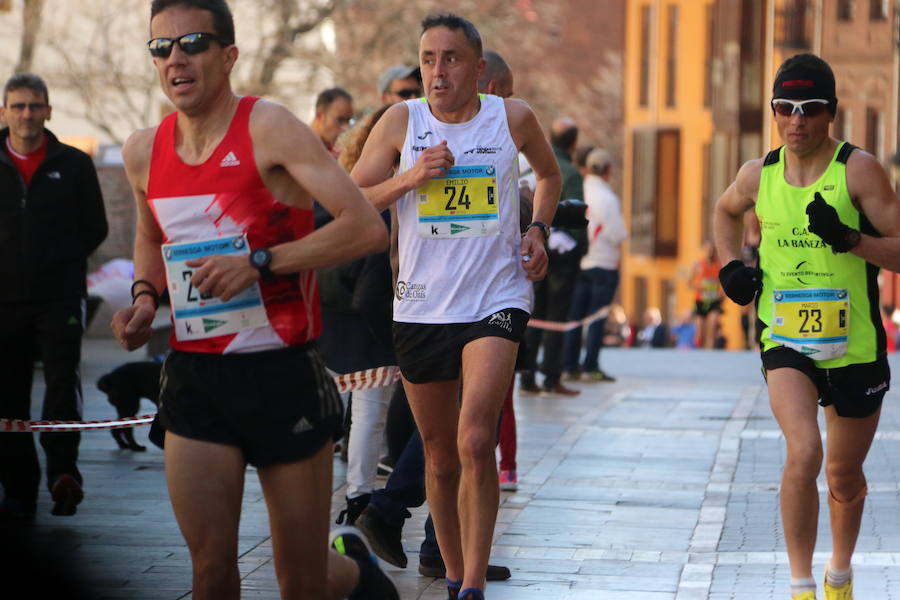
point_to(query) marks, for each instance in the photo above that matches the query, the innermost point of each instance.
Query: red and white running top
(223, 197)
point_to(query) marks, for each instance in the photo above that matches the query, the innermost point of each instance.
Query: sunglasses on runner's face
(190, 43)
(408, 93)
(807, 108)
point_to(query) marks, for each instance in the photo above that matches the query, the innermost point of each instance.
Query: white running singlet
(459, 236)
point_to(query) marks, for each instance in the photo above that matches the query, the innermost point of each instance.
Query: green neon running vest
(795, 261)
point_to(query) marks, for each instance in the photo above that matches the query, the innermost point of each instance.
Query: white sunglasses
(807, 108)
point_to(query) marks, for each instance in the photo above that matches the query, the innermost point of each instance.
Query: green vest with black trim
(823, 305)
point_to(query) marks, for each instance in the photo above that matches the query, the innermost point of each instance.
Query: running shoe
(67, 495)
(845, 592)
(509, 482)
(598, 375)
(807, 595)
(374, 582)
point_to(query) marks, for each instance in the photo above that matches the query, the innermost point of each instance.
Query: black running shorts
(855, 390)
(433, 352)
(277, 406)
(701, 309)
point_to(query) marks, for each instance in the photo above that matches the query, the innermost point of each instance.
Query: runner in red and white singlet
(223, 191)
(223, 196)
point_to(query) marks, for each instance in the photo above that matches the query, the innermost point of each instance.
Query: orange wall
(695, 124)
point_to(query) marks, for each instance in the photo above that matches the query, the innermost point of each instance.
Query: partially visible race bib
(462, 203)
(709, 290)
(813, 322)
(197, 317)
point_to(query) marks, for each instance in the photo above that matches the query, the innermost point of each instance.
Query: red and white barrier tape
(15, 425)
(368, 379)
(569, 325)
(349, 382)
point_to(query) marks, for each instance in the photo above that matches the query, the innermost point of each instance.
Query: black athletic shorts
(855, 390)
(701, 308)
(433, 352)
(277, 406)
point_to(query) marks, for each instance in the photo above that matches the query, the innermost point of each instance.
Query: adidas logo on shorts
(230, 160)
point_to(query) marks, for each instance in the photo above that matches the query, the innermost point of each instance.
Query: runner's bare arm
(282, 142)
(530, 139)
(730, 208)
(131, 325)
(870, 189)
(375, 166)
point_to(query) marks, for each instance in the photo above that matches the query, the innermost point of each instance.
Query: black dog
(124, 387)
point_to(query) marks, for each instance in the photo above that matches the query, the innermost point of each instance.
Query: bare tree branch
(31, 24)
(292, 26)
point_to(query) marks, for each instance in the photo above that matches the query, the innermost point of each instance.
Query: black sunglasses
(190, 43)
(408, 93)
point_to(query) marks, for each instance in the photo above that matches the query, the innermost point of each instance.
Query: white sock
(802, 584)
(837, 577)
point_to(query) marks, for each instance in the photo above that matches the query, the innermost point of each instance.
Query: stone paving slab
(661, 486)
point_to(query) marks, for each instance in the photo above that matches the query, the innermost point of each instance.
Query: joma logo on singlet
(230, 160)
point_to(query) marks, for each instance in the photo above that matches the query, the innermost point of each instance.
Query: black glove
(825, 223)
(570, 214)
(740, 282)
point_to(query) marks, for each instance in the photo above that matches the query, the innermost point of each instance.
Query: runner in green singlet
(829, 220)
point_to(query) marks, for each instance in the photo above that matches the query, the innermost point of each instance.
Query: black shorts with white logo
(277, 406)
(856, 391)
(433, 352)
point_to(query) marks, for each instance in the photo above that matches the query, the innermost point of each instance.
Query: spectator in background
(684, 333)
(356, 299)
(51, 219)
(553, 295)
(708, 296)
(581, 155)
(599, 275)
(618, 331)
(654, 333)
(399, 83)
(334, 113)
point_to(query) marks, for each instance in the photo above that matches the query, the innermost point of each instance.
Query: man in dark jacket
(553, 294)
(51, 219)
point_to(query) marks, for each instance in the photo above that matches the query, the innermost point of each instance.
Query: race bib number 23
(197, 316)
(814, 322)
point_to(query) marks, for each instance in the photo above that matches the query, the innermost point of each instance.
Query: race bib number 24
(462, 203)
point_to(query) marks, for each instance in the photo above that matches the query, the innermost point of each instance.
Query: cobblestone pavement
(661, 486)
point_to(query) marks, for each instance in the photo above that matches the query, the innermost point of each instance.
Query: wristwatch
(260, 259)
(545, 229)
(852, 237)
